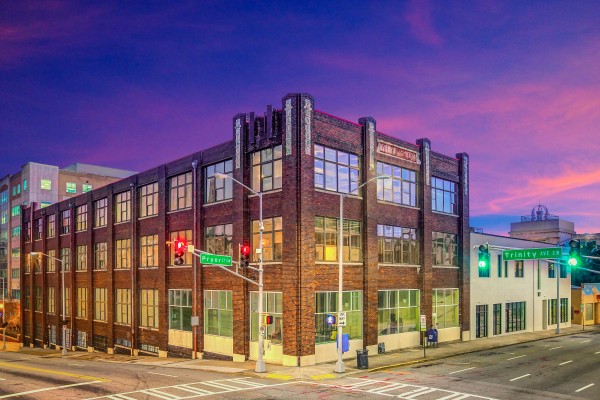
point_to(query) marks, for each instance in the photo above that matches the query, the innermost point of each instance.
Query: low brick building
(405, 250)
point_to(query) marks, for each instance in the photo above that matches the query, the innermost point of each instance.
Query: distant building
(44, 185)
(511, 297)
(541, 226)
(586, 304)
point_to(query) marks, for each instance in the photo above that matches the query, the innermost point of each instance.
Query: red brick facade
(298, 127)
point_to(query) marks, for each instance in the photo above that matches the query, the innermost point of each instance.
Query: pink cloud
(419, 18)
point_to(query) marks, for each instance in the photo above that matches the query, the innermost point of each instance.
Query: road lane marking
(566, 362)
(156, 373)
(585, 341)
(513, 358)
(456, 372)
(557, 347)
(583, 388)
(519, 377)
(52, 371)
(6, 396)
(598, 352)
(77, 365)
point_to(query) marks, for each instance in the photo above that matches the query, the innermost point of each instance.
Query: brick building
(406, 246)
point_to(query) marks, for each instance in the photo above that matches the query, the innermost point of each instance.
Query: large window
(100, 255)
(45, 184)
(218, 239)
(38, 299)
(81, 218)
(336, 170)
(180, 192)
(71, 187)
(149, 251)
(100, 207)
(51, 261)
(86, 187)
(123, 306)
(149, 308)
(564, 310)
(326, 238)
(218, 189)
(272, 305)
(401, 188)
(445, 308)
(515, 316)
(552, 311)
(481, 321)
(327, 304)
(15, 211)
(81, 262)
(65, 256)
(122, 207)
(82, 309)
(497, 319)
(185, 236)
(149, 200)
(65, 222)
(398, 311)
(123, 254)
(27, 297)
(397, 245)
(51, 303)
(272, 239)
(519, 269)
(38, 229)
(15, 231)
(218, 313)
(67, 299)
(445, 249)
(100, 304)
(266, 169)
(444, 196)
(180, 309)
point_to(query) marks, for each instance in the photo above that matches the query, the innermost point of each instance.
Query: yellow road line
(52, 371)
(322, 376)
(280, 376)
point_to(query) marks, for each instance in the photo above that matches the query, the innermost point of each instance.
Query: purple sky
(516, 84)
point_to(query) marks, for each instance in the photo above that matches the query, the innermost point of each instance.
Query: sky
(515, 84)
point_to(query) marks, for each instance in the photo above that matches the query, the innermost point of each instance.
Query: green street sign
(215, 259)
(532, 254)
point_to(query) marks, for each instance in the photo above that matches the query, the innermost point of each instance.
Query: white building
(512, 297)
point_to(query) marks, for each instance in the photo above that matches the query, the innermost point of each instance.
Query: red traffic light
(245, 250)
(179, 249)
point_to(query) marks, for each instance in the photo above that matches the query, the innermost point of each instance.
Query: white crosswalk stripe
(190, 390)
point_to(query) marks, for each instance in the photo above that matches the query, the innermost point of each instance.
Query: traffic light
(574, 253)
(484, 257)
(267, 319)
(244, 255)
(179, 248)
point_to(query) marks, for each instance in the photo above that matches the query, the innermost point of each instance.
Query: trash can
(362, 359)
(381, 348)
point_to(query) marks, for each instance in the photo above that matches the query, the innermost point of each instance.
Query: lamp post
(3, 312)
(339, 365)
(64, 311)
(260, 363)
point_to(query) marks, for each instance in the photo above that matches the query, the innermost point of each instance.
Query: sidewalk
(326, 370)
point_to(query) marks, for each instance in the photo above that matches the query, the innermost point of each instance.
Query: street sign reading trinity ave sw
(215, 259)
(532, 254)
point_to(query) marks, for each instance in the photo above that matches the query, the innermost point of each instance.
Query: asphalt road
(560, 368)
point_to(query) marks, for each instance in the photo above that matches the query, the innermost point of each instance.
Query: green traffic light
(573, 262)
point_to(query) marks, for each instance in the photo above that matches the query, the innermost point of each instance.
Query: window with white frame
(149, 251)
(267, 169)
(336, 170)
(218, 189)
(149, 308)
(326, 303)
(445, 249)
(272, 239)
(218, 313)
(400, 188)
(397, 245)
(272, 305)
(398, 311)
(444, 196)
(180, 309)
(445, 308)
(180, 192)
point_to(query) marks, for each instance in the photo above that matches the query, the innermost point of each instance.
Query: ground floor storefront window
(398, 311)
(445, 308)
(273, 306)
(515, 316)
(327, 305)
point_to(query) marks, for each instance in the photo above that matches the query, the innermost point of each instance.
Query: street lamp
(64, 311)
(260, 363)
(339, 365)
(3, 313)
